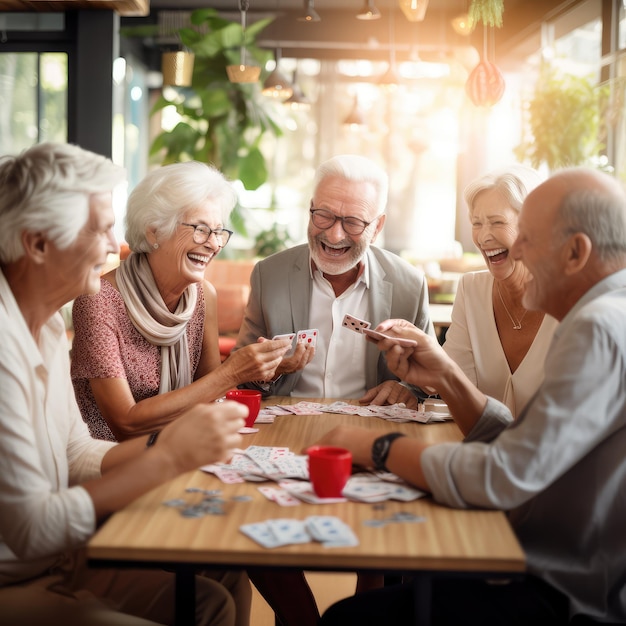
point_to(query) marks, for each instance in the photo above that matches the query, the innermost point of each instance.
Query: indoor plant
(565, 121)
(222, 123)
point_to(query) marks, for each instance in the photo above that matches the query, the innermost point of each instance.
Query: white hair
(356, 168)
(165, 194)
(514, 182)
(46, 189)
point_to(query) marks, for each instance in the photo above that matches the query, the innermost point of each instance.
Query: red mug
(249, 397)
(329, 470)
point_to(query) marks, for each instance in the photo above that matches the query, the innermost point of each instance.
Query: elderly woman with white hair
(498, 343)
(146, 346)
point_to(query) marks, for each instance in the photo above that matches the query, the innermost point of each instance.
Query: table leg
(422, 592)
(185, 596)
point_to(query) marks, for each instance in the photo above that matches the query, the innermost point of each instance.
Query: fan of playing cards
(308, 337)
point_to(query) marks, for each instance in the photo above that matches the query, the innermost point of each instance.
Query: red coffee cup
(249, 397)
(329, 470)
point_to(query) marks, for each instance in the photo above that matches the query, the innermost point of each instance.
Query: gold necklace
(517, 324)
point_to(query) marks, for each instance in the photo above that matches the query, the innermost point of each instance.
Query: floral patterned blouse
(107, 345)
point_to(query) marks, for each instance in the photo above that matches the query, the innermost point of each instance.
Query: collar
(612, 282)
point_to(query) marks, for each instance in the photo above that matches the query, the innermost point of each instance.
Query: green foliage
(489, 12)
(565, 121)
(222, 122)
(274, 239)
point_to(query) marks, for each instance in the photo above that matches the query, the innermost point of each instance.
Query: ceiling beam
(127, 8)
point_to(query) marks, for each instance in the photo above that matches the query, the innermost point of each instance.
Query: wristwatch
(381, 448)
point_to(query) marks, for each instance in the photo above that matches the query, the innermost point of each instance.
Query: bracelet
(152, 438)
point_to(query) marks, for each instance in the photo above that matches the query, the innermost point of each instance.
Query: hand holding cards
(363, 327)
(307, 337)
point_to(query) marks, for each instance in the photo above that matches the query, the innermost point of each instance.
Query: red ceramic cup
(249, 397)
(329, 470)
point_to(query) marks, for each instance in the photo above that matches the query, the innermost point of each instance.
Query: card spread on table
(328, 530)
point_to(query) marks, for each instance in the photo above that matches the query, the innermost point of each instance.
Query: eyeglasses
(201, 234)
(324, 220)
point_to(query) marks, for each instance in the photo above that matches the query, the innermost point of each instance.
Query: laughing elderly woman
(146, 346)
(497, 342)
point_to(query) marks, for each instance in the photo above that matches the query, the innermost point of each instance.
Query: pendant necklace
(517, 324)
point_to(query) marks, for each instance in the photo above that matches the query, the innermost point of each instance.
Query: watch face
(379, 452)
(380, 449)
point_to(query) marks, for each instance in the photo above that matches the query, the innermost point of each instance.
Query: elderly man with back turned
(560, 469)
(56, 482)
(339, 272)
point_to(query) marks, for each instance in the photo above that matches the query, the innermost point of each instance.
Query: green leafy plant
(565, 121)
(222, 123)
(489, 12)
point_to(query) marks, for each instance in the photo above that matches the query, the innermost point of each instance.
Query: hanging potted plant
(221, 122)
(485, 84)
(565, 121)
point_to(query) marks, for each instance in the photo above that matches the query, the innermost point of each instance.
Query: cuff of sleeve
(266, 386)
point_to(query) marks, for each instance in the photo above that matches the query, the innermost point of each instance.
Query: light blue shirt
(560, 468)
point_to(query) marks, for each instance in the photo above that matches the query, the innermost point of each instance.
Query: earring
(155, 245)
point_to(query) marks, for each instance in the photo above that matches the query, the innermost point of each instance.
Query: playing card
(354, 323)
(401, 341)
(304, 491)
(289, 531)
(308, 337)
(226, 475)
(289, 336)
(368, 491)
(331, 531)
(278, 495)
(405, 493)
(262, 534)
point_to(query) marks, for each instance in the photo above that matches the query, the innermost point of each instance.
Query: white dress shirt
(338, 368)
(45, 448)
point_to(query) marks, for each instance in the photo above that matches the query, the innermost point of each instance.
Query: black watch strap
(381, 448)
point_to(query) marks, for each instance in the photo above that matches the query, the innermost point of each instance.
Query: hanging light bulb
(310, 14)
(277, 85)
(297, 101)
(355, 117)
(414, 10)
(368, 12)
(243, 73)
(463, 25)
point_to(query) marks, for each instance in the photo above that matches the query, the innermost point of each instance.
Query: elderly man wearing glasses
(339, 272)
(314, 286)
(146, 346)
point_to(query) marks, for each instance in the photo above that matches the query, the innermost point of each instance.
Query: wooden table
(148, 533)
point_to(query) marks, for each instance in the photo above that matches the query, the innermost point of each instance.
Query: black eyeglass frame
(201, 229)
(362, 224)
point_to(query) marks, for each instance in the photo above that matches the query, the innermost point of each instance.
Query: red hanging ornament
(485, 84)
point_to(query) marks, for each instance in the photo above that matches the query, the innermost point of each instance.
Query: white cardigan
(473, 342)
